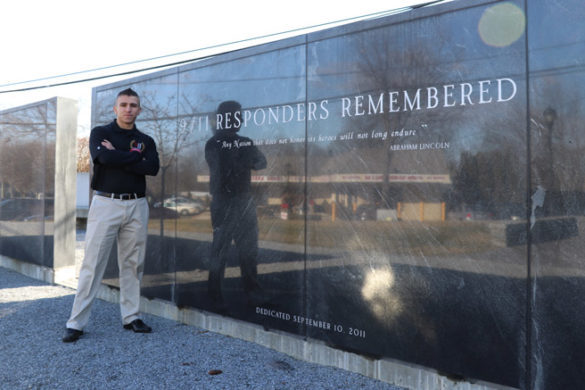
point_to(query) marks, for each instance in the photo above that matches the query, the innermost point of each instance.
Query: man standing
(122, 156)
(231, 158)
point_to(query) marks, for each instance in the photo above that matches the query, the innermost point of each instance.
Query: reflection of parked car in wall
(162, 212)
(366, 212)
(472, 215)
(183, 206)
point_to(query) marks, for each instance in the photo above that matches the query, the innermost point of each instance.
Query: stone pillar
(65, 190)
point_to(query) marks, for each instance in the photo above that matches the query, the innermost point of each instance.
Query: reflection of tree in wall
(27, 157)
(488, 181)
(159, 120)
(23, 169)
(191, 159)
(557, 147)
(103, 109)
(388, 60)
(492, 177)
(190, 164)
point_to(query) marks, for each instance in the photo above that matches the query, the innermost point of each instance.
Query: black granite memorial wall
(423, 196)
(37, 178)
(28, 139)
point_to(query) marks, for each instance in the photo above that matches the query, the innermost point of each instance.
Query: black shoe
(138, 326)
(72, 335)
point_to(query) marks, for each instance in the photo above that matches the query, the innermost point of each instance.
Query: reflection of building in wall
(347, 180)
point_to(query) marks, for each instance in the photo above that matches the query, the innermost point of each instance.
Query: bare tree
(82, 155)
(28, 135)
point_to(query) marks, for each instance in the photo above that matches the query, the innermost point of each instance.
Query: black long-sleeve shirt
(120, 170)
(230, 158)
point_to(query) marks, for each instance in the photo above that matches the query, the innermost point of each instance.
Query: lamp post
(549, 115)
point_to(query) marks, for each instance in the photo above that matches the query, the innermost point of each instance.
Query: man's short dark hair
(128, 92)
(233, 108)
(229, 106)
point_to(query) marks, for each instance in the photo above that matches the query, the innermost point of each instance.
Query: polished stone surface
(37, 178)
(423, 198)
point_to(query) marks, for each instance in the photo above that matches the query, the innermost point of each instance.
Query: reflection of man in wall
(231, 157)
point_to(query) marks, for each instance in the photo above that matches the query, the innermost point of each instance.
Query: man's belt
(127, 196)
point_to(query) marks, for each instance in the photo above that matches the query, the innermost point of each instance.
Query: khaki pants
(110, 220)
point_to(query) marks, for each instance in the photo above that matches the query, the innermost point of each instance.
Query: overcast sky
(42, 39)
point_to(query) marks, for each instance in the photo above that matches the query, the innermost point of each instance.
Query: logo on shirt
(137, 145)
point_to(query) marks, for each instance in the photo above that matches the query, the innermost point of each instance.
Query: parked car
(162, 212)
(183, 206)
